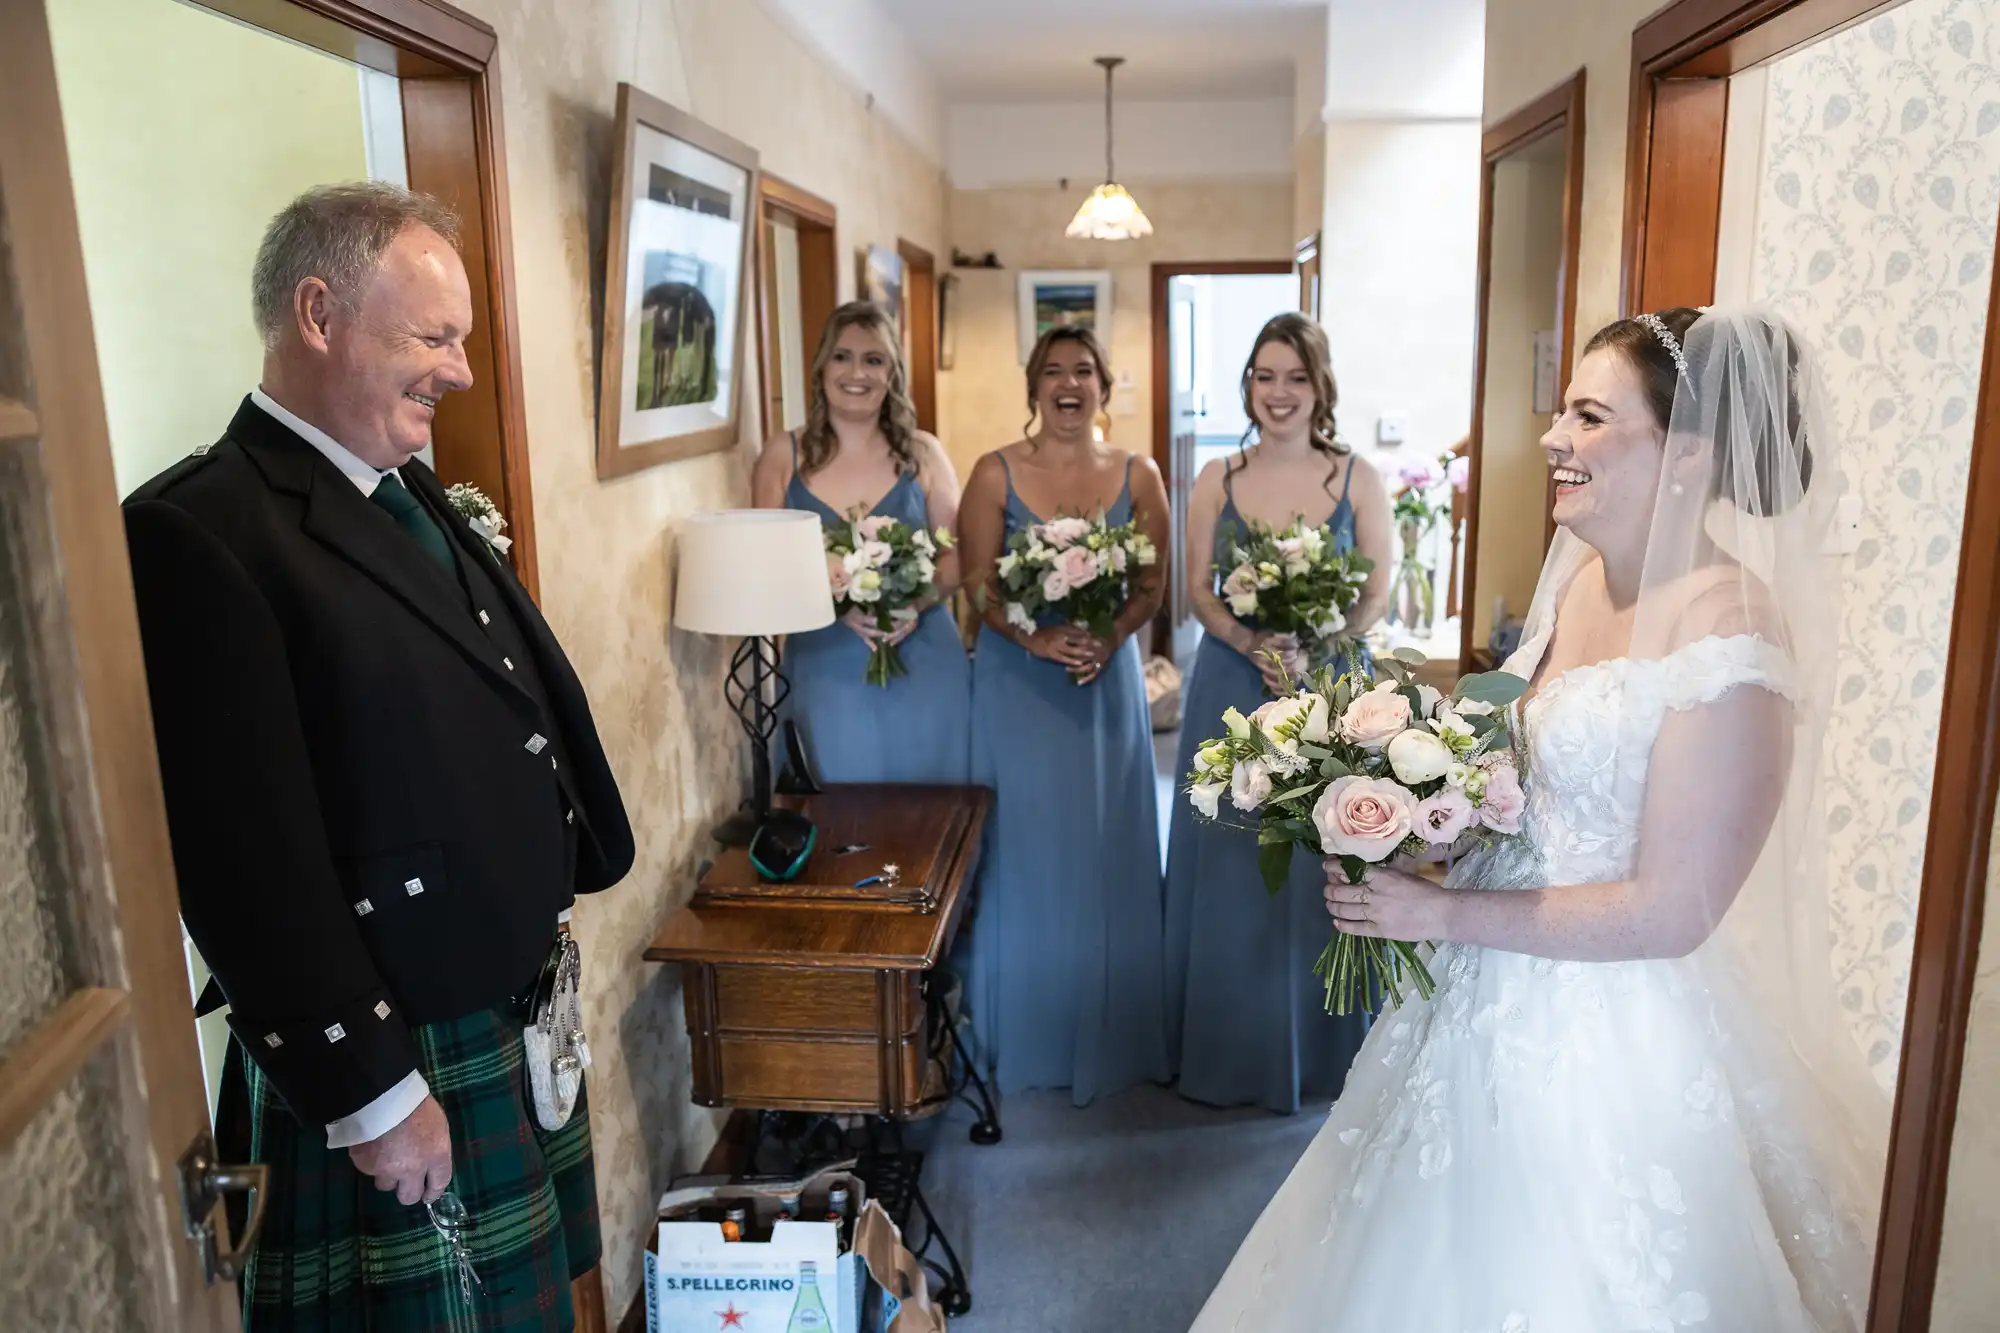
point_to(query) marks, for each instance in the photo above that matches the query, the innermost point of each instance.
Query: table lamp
(756, 574)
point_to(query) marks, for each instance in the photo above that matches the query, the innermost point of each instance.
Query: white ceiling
(1041, 50)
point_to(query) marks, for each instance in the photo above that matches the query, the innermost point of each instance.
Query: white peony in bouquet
(1076, 568)
(1292, 582)
(1361, 765)
(881, 569)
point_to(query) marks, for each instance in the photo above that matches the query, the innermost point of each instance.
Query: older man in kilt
(385, 790)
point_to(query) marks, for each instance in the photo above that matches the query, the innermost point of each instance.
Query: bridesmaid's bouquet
(1077, 568)
(1291, 581)
(881, 567)
(1360, 765)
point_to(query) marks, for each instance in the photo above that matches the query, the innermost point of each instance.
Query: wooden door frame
(1164, 272)
(1678, 59)
(109, 816)
(817, 222)
(1305, 259)
(447, 62)
(920, 329)
(1557, 111)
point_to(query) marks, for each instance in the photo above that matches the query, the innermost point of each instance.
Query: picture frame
(1046, 297)
(671, 359)
(880, 282)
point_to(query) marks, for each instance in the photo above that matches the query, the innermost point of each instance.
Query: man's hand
(413, 1159)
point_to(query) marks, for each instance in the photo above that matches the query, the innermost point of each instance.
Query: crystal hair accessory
(1672, 344)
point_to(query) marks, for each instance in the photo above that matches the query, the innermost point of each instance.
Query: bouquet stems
(1360, 971)
(885, 663)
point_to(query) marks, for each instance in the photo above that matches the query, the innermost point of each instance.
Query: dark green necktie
(413, 518)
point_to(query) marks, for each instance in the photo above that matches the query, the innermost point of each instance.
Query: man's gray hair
(338, 234)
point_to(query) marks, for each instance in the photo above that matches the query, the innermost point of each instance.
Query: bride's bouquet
(1361, 765)
(1292, 582)
(1077, 568)
(881, 568)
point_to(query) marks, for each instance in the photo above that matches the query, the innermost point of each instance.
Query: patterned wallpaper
(1875, 213)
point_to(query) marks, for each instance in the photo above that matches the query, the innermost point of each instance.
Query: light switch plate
(1392, 428)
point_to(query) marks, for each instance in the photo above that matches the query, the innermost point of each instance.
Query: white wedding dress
(1557, 1147)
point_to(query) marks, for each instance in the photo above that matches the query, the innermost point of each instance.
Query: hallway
(1118, 1216)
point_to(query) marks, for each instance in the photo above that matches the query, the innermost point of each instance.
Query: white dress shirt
(393, 1107)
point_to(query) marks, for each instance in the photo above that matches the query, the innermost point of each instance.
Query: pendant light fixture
(1111, 213)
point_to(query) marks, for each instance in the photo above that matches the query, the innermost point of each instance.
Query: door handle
(203, 1182)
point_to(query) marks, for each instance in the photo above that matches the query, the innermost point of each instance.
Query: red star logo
(732, 1317)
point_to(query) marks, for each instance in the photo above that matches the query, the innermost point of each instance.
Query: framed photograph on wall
(671, 359)
(882, 282)
(1048, 297)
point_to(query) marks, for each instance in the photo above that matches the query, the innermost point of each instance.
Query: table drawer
(816, 999)
(796, 999)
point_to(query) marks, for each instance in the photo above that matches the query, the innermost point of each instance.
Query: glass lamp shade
(1110, 214)
(752, 572)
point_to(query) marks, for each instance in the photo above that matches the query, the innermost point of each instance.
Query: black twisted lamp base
(754, 674)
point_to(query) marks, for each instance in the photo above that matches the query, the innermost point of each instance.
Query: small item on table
(735, 1222)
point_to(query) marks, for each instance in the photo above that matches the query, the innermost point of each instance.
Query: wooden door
(920, 330)
(101, 1105)
(1181, 428)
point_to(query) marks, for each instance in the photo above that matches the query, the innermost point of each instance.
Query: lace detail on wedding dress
(1548, 1146)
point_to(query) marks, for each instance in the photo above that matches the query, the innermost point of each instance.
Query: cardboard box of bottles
(784, 1277)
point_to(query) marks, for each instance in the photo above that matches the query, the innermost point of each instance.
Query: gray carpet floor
(1121, 1215)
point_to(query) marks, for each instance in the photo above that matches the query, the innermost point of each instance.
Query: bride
(1631, 1103)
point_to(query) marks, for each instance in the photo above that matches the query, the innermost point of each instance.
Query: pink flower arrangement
(1361, 765)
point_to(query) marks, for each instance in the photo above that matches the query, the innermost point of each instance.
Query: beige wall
(186, 132)
(982, 400)
(1521, 301)
(607, 547)
(1399, 266)
(1308, 182)
(1533, 45)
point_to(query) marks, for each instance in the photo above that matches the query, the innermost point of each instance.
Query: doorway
(920, 330)
(1829, 161)
(1205, 317)
(1531, 198)
(797, 293)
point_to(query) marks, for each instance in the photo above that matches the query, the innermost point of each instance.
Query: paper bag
(901, 1297)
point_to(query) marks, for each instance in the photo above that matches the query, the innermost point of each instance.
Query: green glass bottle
(809, 1313)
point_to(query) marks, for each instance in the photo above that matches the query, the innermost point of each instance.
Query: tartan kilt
(336, 1255)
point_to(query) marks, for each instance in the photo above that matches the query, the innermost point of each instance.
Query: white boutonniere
(484, 516)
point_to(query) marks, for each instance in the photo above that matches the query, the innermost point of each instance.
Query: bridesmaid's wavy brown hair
(1038, 360)
(898, 419)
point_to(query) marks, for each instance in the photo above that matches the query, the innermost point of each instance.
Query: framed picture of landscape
(671, 357)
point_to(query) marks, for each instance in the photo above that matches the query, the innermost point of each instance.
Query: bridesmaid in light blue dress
(1064, 988)
(860, 442)
(1246, 1017)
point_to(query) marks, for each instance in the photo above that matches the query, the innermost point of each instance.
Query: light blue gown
(1246, 1017)
(1064, 944)
(918, 727)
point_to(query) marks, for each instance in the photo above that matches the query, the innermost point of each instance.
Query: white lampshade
(1110, 214)
(752, 572)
